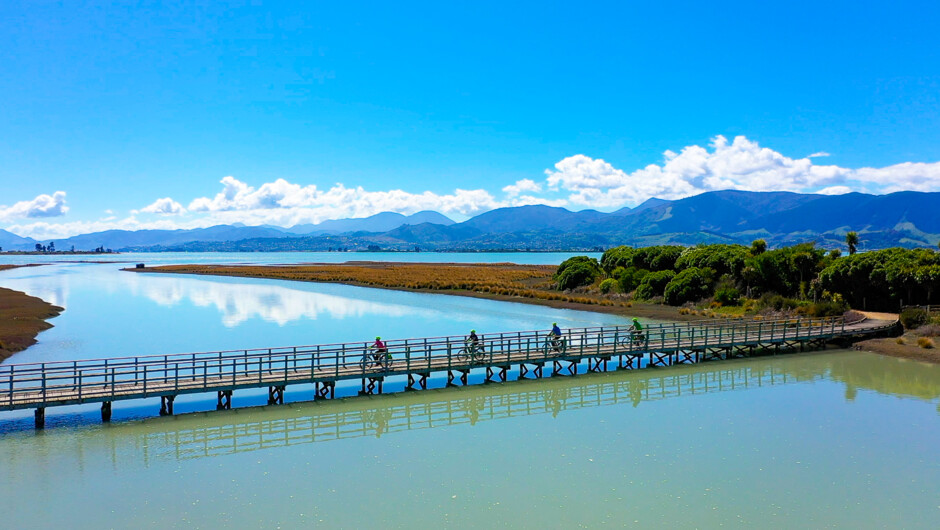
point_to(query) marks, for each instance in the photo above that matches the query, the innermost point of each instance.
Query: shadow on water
(209, 434)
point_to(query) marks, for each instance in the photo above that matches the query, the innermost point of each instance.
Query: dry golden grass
(496, 279)
(925, 343)
(22, 317)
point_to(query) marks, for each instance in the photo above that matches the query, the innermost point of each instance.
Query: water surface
(830, 439)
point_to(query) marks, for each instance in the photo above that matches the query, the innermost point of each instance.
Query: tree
(851, 240)
(51, 246)
(758, 247)
(654, 284)
(576, 271)
(688, 286)
(39, 247)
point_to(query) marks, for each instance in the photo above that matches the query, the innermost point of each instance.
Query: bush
(900, 340)
(688, 286)
(777, 302)
(629, 278)
(727, 296)
(576, 271)
(925, 343)
(929, 330)
(826, 309)
(913, 318)
(608, 285)
(654, 284)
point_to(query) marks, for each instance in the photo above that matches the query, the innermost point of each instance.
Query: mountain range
(904, 218)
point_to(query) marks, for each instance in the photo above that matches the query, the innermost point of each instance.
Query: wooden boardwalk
(41, 385)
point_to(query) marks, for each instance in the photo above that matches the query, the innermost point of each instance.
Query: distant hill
(11, 241)
(899, 219)
(380, 222)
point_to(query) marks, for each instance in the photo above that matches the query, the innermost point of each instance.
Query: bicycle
(380, 358)
(554, 344)
(471, 352)
(635, 337)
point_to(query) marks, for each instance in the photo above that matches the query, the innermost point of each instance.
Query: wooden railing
(98, 380)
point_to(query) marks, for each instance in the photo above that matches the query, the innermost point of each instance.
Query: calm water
(836, 439)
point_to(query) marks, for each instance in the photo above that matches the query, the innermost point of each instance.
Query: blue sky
(459, 108)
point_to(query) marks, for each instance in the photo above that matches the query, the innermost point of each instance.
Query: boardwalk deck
(41, 385)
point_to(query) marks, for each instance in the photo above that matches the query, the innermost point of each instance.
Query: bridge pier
(422, 381)
(557, 367)
(536, 370)
(106, 411)
(464, 373)
(370, 388)
(40, 418)
(503, 370)
(166, 405)
(324, 390)
(225, 400)
(595, 363)
(276, 395)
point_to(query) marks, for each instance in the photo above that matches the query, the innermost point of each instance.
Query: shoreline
(22, 318)
(880, 346)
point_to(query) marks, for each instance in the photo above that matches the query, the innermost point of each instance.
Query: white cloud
(835, 190)
(281, 202)
(164, 206)
(42, 206)
(741, 164)
(521, 186)
(819, 154)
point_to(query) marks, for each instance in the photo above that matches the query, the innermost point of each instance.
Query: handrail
(98, 379)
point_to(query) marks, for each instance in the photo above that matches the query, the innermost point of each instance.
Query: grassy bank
(530, 284)
(22, 317)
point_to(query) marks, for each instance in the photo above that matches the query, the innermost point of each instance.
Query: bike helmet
(473, 331)
(378, 338)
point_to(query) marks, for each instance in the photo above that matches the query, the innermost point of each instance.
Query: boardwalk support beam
(106, 411)
(166, 405)
(224, 401)
(40, 416)
(276, 395)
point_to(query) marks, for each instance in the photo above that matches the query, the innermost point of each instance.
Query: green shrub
(727, 296)
(654, 284)
(608, 285)
(576, 271)
(913, 317)
(629, 278)
(689, 285)
(777, 302)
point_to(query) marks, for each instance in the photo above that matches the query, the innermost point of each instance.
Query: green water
(836, 439)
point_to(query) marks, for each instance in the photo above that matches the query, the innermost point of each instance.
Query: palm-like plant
(851, 240)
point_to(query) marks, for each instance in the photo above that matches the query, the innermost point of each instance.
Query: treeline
(784, 278)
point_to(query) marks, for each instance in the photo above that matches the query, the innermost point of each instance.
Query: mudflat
(22, 317)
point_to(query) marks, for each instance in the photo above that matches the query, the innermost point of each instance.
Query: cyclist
(636, 330)
(473, 343)
(555, 336)
(380, 352)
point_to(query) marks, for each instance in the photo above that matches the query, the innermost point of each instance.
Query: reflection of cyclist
(380, 351)
(555, 336)
(636, 330)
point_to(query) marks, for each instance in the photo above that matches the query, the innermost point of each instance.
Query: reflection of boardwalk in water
(369, 419)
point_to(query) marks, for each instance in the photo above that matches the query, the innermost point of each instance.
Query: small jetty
(535, 353)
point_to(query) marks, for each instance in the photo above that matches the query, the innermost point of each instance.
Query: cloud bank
(577, 181)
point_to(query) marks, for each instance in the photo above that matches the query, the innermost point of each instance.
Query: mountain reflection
(240, 302)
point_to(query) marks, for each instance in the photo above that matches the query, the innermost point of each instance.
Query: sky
(141, 115)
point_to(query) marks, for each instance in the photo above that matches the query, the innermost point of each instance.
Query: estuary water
(830, 439)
